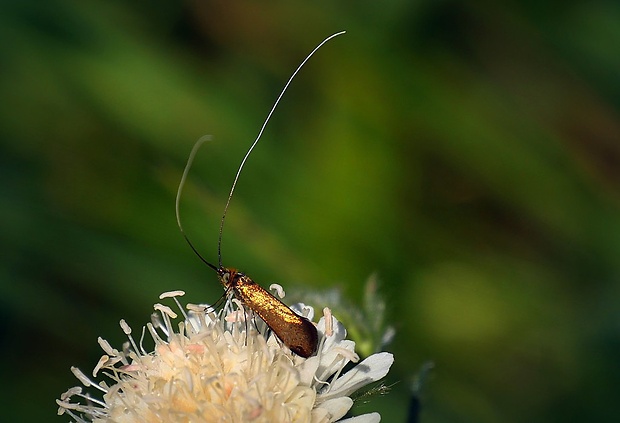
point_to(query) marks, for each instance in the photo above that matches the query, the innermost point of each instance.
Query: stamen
(142, 350)
(85, 379)
(165, 310)
(127, 329)
(158, 324)
(347, 354)
(329, 324)
(76, 390)
(81, 377)
(277, 288)
(102, 361)
(106, 347)
(172, 294)
(154, 334)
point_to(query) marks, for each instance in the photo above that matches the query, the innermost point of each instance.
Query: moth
(295, 331)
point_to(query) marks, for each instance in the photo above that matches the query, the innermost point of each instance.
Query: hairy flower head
(221, 367)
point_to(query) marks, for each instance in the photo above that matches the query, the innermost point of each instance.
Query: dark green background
(466, 152)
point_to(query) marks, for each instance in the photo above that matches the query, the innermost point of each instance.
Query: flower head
(223, 368)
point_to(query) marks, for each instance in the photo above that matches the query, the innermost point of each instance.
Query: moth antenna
(190, 160)
(260, 133)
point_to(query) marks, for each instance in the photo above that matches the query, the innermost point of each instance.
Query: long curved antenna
(190, 160)
(260, 133)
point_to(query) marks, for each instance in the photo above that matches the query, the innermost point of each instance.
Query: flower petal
(364, 418)
(307, 369)
(370, 370)
(337, 407)
(335, 359)
(303, 310)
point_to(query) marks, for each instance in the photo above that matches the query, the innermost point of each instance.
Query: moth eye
(225, 277)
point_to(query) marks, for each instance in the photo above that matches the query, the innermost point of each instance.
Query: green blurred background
(465, 152)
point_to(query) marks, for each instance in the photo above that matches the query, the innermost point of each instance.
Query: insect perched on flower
(215, 367)
(295, 331)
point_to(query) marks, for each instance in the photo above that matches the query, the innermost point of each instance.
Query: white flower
(222, 368)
